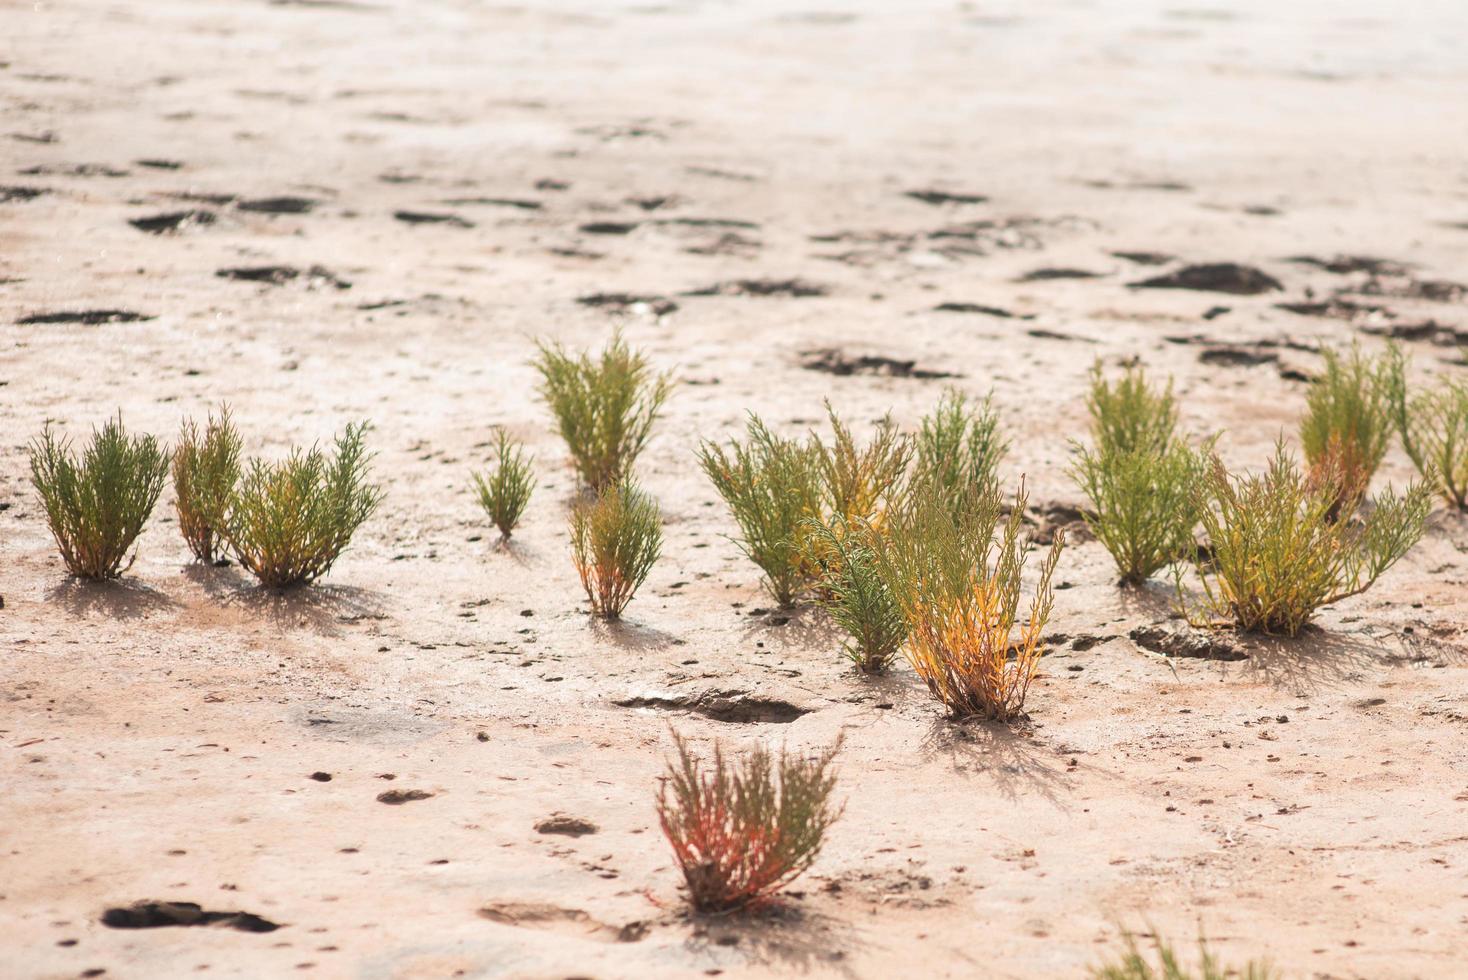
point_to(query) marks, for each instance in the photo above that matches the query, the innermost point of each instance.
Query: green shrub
(741, 831)
(855, 594)
(605, 407)
(771, 485)
(615, 540)
(1134, 966)
(959, 446)
(96, 507)
(1434, 430)
(1348, 422)
(956, 574)
(288, 522)
(1130, 414)
(1277, 552)
(505, 490)
(205, 471)
(857, 482)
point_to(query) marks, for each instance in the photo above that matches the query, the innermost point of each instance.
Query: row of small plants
(907, 541)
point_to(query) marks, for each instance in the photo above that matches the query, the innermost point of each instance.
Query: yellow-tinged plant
(956, 575)
(615, 540)
(855, 594)
(1133, 965)
(857, 483)
(604, 407)
(959, 446)
(1277, 553)
(205, 471)
(96, 506)
(1348, 422)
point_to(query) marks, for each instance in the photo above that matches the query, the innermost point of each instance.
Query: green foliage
(205, 471)
(615, 540)
(1434, 430)
(956, 574)
(1130, 414)
(288, 522)
(1133, 965)
(1144, 505)
(743, 830)
(771, 485)
(96, 508)
(605, 407)
(505, 490)
(1278, 553)
(1348, 422)
(857, 482)
(855, 594)
(959, 446)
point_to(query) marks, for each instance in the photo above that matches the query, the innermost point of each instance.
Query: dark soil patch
(154, 915)
(276, 275)
(1406, 287)
(1188, 643)
(499, 202)
(73, 170)
(1144, 258)
(1045, 275)
(427, 218)
(155, 164)
(1050, 519)
(610, 227)
(944, 197)
(629, 303)
(90, 318)
(1335, 308)
(397, 797)
(567, 826)
(159, 224)
(841, 364)
(279, 205)
(9, 194)
(1428, 331)
(1215, 277)
(999, 311)
(732, 706)
(1346, 264)
(762, 287)
(709, 223)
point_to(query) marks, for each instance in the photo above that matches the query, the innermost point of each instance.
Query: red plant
(741, 832)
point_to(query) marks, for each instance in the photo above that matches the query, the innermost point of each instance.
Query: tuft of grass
(1348, 422)
(959, 446)
(1130, 414)
(858, 482)
(771, 485)
(1278, 553)
(1133, 965)
(205, 470)
(96, 506)
(1434, 430)
(289, 521)
(743, 830)
(855, 594)
(615, 540)
(956, 574)
(605, 406)
(504, 491)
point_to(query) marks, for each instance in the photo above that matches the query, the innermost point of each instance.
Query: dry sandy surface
(1308, 803)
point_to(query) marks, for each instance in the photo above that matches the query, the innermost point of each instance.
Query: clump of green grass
(504, 491)
(742, 830)
(1348, 422)
(959, 446)
(1131, 413)
(605, 406)
(288, 522)
(855, 594)
(96, 506)
(1434, 430)
(956, 574)
(771, 484)
(1140, 478)
(615, 540)
(1278, 553)
(858, 481)
(205, 470)
(1134, 965)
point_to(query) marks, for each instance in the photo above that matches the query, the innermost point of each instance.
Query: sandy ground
(1308, 803)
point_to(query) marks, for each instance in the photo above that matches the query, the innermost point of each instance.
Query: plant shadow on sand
(319, 607)
(114, 599)
(631, 635)
(1014, 759)
(1320, 658)
(785, 936)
